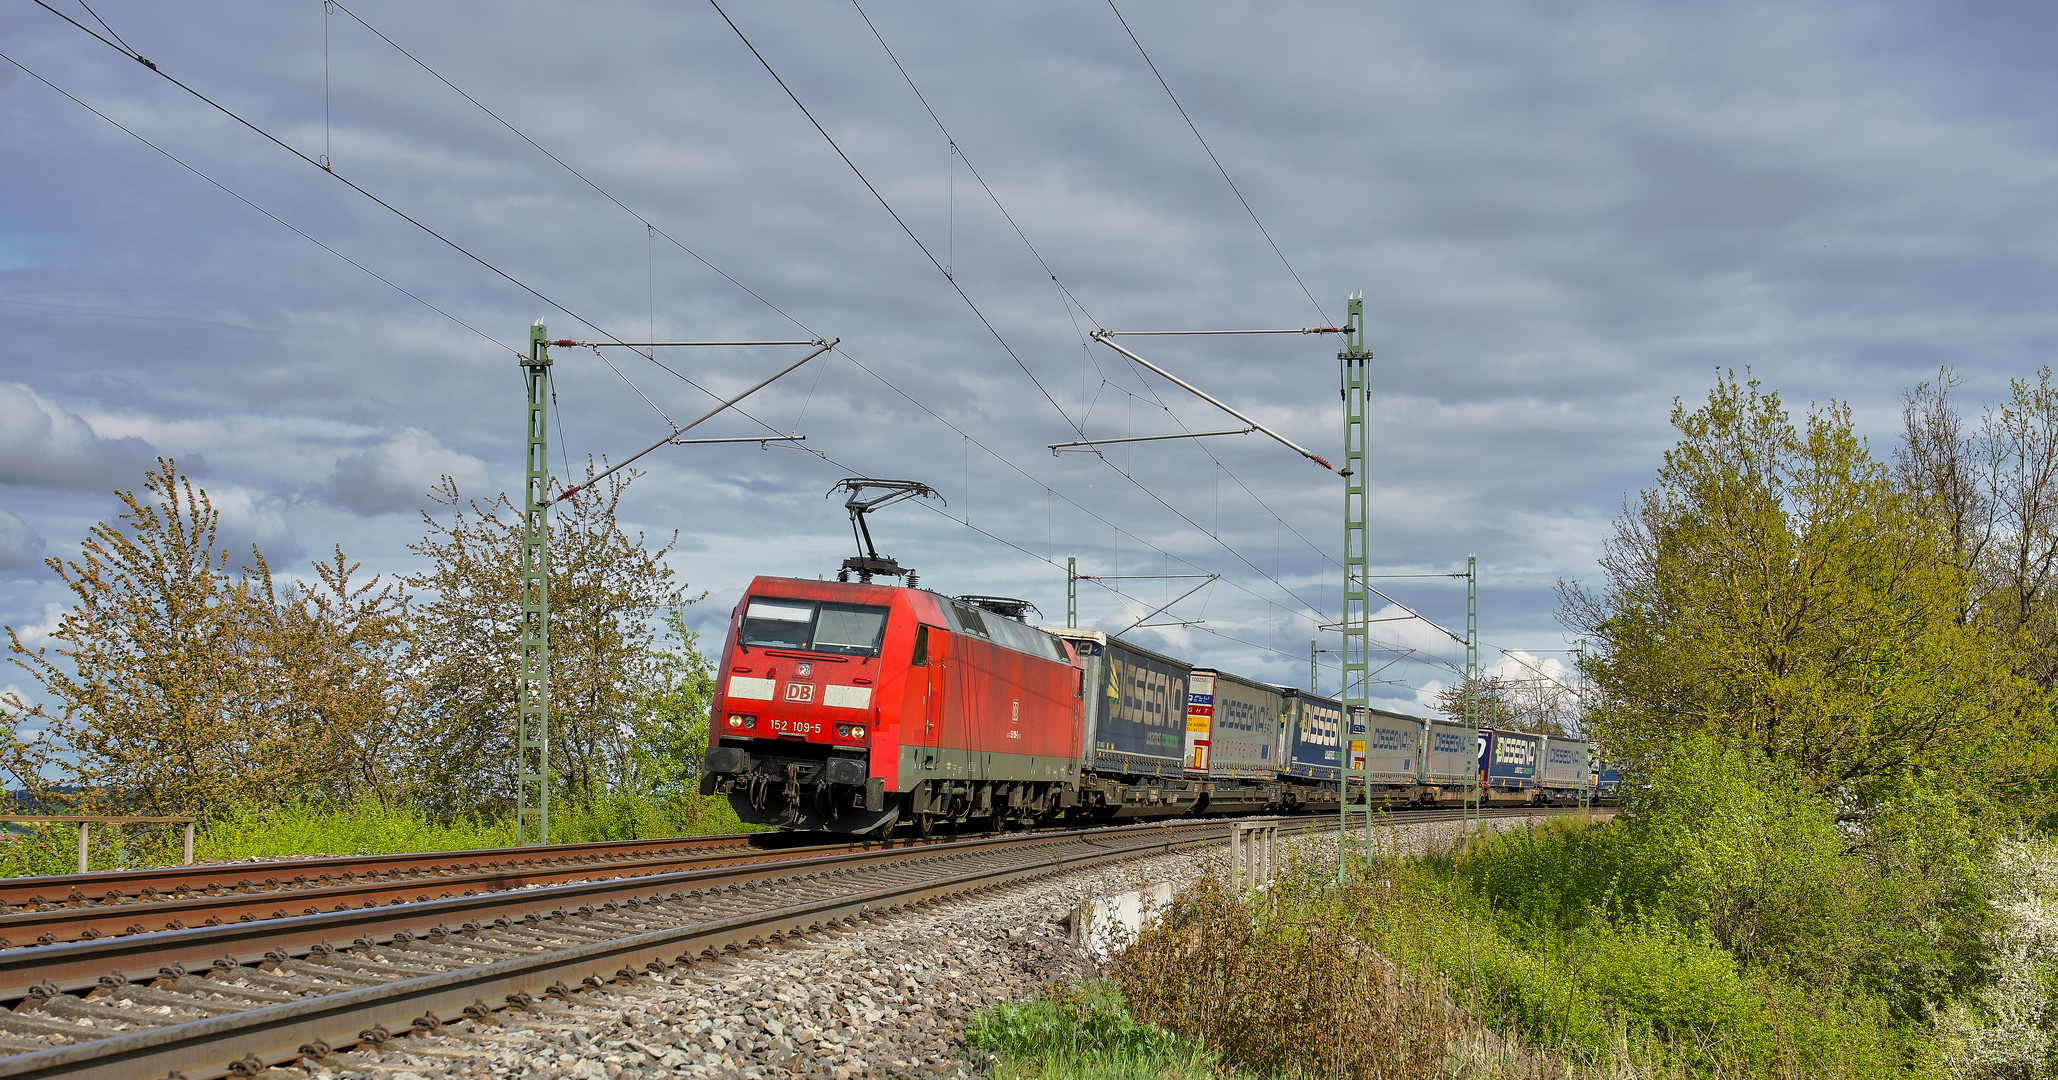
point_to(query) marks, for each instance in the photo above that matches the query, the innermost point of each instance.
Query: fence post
(189, 844)
(82, 847)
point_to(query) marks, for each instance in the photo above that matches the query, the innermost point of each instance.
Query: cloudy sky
(1561, 216)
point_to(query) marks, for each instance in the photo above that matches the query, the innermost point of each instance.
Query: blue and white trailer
(1509, 761)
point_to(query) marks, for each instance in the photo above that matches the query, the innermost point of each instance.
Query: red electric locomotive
(850, 707)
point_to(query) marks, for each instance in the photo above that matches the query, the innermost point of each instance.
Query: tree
(335, 658)
(608, 591)
(154, 684)
(671, 739)
(1996, 489)
(1537, 706)
(1780, 589)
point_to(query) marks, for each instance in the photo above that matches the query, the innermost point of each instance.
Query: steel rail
(286, 1032)
(132, 915)
(74, 888)
(244, 1042)
(80, 965)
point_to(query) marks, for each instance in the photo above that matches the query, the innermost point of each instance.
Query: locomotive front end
(805, 702)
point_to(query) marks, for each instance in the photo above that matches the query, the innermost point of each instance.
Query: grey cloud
(396, 475)
(1561, 219)
(42, 444)
(20, 544)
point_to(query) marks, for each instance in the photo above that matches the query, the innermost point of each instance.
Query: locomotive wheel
(925, 825)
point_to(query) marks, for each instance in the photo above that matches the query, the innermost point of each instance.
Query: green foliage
(1083, 1033)
(365, 827)
(1594, 948)
(32, 849)
(671, 737)
(1780, 589)
(1889, 904)
(622, 816)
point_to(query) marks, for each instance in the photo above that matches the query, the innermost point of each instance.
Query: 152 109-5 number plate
(795, 727)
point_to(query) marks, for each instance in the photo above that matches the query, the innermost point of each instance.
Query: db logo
(800, 691)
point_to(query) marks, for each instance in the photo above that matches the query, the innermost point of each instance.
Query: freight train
(853, 708)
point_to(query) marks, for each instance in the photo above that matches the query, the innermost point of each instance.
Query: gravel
(884, 998)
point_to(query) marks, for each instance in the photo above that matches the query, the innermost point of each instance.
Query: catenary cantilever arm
(1105, 338)
(820, 348)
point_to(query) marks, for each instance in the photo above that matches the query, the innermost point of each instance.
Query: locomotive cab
(848, 707)
(809, 676)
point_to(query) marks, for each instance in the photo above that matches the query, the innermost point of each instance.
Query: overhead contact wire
(926, 253)
(1191, 126)
(642, 219)
(287, 147)
(232, 193)
(1072, 300)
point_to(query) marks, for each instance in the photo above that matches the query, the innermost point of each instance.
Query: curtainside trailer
(1567, 769)
(1388, 746)
(1136, 716)
(1232, 728)
(1509, 760)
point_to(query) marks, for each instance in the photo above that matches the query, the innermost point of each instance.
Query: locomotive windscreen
(804, 624)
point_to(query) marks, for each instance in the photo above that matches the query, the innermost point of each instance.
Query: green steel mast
(1474, 792)
(1357, 612)
(532, 732)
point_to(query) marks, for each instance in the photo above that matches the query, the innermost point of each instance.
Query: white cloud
(39, 633)
(46, 445)
(21, 545)
(396, 475)
(248, 518)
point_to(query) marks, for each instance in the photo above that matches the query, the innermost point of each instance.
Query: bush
(1392, 977)
(1891, 905)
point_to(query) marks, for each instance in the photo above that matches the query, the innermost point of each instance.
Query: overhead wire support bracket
(1106, 337)
(672, 344)
(678, 430)
(763, 439)
(1089, 444)
(1160, 609)
(1220, 333)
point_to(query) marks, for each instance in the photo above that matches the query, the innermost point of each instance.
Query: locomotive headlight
(843, 731)
(737, 721)
(857, 731)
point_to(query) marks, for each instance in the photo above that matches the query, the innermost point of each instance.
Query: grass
(1083, 1032)
(367, 827)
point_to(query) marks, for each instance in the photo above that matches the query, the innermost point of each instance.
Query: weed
(1083, 1032)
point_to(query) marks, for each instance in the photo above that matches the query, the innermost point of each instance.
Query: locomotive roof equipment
(1007, 607)
(868, 562)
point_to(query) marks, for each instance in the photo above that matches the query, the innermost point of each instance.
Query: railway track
(235, 998)
(124, 903)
